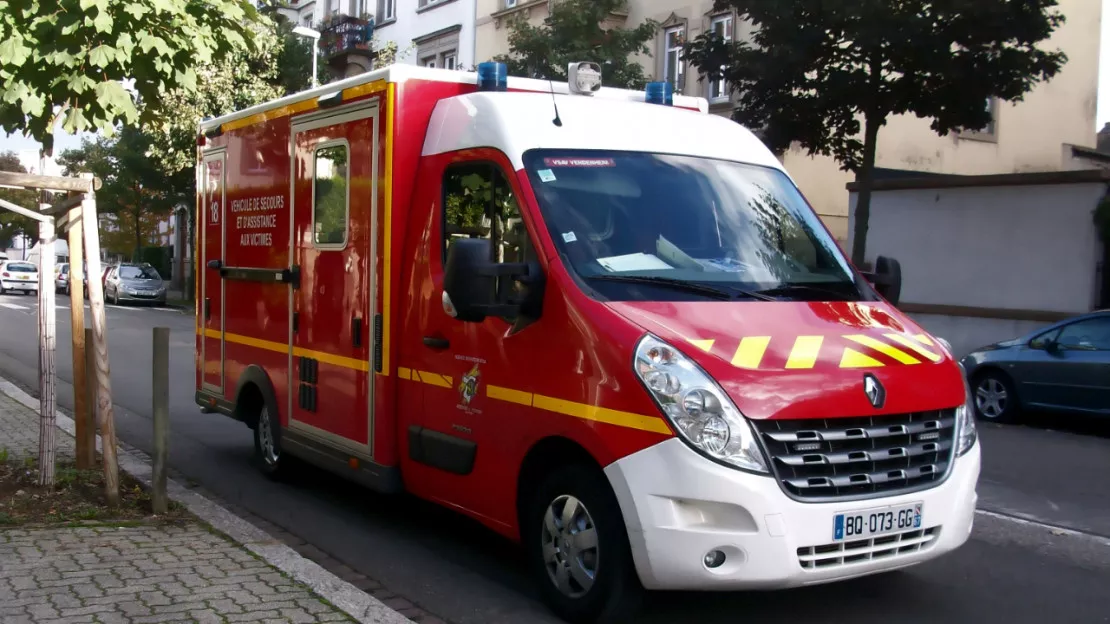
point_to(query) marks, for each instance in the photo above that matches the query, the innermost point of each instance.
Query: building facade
(1048, 131)
(432, 33)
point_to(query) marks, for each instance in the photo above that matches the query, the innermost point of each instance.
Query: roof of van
(517, 122)
(399, 73)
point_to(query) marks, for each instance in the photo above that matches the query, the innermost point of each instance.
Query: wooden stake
(48, 424)
(161, 412)
(85, 443)
(90, 395)
(105, 418)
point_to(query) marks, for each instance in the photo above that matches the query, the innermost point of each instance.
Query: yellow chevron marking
(922, 338)
(885, 349)
(404, 373)
(704, 345)
(750, 351)
(434, 379)
(916, 346)
(855, 359)
(805, 351)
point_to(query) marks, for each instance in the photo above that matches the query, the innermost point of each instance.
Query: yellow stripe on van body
(434, 379)
(750, 351)
(281, 347)
(882, 347)
(601, 414)
(387, 260)
(508, 394)
(855, 359)
(805, 352)
(914, 346)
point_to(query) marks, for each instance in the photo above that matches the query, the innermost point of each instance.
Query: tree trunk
(866, 178)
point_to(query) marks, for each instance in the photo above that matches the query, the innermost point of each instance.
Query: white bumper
(20, 284)
(678, 506)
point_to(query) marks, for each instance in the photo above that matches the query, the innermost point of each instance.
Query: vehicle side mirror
(470, 283)
(887, 278)
(1050, 345)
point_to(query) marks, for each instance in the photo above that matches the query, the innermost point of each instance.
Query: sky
(28, 149)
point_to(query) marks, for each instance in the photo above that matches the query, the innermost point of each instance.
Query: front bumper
(29, 285)
(678, 506)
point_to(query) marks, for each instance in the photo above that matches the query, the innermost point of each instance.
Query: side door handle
(438, 344)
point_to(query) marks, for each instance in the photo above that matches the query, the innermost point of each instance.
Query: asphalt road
(1053, 566)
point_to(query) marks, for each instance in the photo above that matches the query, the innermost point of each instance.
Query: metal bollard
(161, 412)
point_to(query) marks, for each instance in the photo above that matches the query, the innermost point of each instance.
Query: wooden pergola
(75, 215)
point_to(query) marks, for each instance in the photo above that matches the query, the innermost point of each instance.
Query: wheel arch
(988, 368)
(253, 391)
(542, 457)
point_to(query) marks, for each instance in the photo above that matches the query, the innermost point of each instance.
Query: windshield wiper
(677, 284)
(786, 289)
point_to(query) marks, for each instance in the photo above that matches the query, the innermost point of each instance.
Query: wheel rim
(991, 398)
(570, 549)
(266, 438)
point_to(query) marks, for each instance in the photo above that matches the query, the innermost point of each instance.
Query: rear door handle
(436, 343)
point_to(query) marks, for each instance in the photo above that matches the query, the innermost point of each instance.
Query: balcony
(347, 40)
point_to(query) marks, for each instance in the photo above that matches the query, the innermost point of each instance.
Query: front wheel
(267, 443)
(578, 548)
(995, 399)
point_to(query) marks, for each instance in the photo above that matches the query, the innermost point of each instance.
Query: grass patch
(77, 496)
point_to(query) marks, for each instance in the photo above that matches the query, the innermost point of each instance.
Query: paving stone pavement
(135, 574)
(141, 574)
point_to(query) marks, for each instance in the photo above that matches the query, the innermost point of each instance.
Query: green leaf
(136, 10)
(102, 55)
(116, 100)
(124, 46)
(33, 104)
(14, 51)
(79, 83)
(103, 22)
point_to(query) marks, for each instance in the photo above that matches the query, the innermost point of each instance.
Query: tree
(11, 224)
(575, 31)
(72, 58)
(819, 68)
(136, 194)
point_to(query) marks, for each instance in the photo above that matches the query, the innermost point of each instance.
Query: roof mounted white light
(584, 78)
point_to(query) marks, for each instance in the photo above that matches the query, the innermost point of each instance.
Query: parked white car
(18, 276)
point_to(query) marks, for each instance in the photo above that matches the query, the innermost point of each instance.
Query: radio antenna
(558, 122)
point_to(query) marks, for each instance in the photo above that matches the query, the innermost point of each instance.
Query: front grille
(852, 458)
(883, 547)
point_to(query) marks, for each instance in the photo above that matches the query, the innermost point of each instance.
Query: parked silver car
(1062, 367)
(135, 283)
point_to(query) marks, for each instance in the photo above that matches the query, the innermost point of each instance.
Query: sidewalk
(149, 570)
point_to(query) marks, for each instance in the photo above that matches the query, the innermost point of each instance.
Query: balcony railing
(346, 34)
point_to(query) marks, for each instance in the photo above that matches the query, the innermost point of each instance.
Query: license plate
(24, 277)
(867, 523)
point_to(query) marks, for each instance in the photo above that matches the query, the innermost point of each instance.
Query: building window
(440, 48)
(387, 10)
(423, 3)
(988, 132)
(990, 127)
(510, 4)
(720, 25)
(330, 195)
(333, 7)
(478, 202)
(672, 56)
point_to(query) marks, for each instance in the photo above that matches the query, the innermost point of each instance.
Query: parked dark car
(1063, 367)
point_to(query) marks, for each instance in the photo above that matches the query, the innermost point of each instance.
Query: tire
(270, 459)
(995, 399)
(115, 297)
(614, 591)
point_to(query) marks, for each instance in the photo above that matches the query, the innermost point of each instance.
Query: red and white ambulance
(602, 322)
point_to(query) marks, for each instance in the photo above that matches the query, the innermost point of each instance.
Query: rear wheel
(267, 443)
(995, 399)
(578, 548)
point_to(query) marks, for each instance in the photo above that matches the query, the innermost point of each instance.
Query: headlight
(966, 434)
(700, 411)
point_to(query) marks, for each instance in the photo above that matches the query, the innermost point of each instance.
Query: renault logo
(874, 391)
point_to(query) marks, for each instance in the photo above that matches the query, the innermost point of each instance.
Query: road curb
(343, 595)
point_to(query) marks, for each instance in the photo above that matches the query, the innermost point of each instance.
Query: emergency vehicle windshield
(642, 226)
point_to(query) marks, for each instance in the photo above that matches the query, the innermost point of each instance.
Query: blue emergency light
(659, 93)
(492, 76)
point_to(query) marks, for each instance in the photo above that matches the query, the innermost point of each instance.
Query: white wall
(1016, 247)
